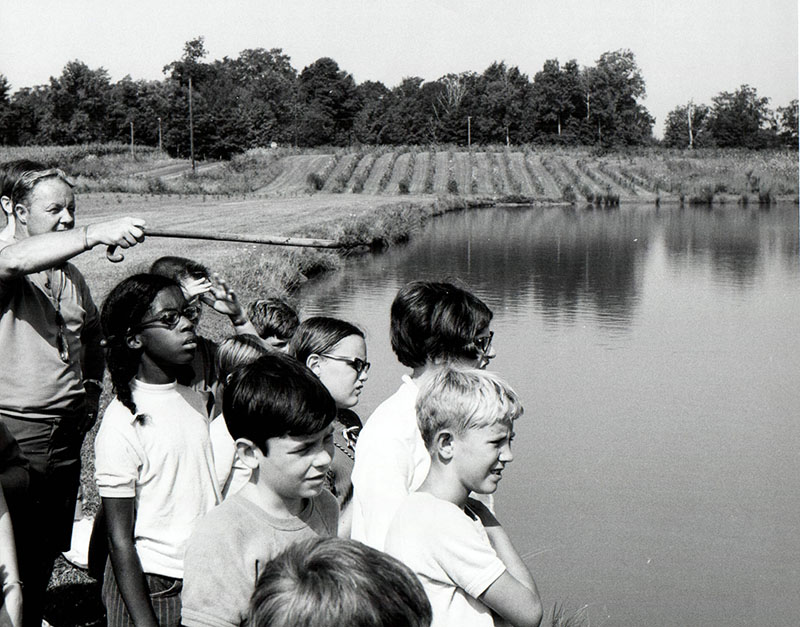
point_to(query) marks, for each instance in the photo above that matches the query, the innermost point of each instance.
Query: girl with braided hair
(154, 464)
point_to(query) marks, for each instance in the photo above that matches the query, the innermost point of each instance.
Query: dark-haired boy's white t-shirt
(229, 548)
(451, 555)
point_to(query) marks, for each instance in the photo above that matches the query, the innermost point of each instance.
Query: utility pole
(131, 138)
(191, 126)
(689, 112)
(469, 131)
(160, 147)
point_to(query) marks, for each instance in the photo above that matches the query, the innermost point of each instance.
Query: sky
(686, 49)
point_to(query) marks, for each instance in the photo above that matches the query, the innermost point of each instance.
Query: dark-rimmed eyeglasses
(359, 365)
(171, 317)
(484, 342)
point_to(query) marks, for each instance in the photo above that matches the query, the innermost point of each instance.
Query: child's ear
(248, 453)
(312, 362)
(443, 441)
(5, 202)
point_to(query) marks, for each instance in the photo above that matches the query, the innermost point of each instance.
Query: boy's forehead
(310, 437)
(496, 428)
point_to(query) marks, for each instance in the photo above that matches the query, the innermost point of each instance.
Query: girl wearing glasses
(431, 324)
(336, 352)
(154, 462)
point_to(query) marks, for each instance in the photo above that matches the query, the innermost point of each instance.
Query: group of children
(238, 485)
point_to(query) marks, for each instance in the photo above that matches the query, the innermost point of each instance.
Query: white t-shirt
(232, 473)
(162, 458)
(391, 461)
(450, 554)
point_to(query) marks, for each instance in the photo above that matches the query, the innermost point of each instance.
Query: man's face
(49, 207)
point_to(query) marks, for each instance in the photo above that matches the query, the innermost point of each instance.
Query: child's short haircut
(333, 582)
(273, 397)
(179, 268)
(273, 317)
(436, 322)
(463, 398)
(237, 351)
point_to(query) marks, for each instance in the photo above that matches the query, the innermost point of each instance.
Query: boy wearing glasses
(280, 416)
(432, 324)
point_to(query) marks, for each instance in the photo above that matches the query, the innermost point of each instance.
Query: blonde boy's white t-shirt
(163, 460)
(451, 555)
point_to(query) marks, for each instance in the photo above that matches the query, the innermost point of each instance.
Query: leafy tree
(267, 104)
(79, 99)
(611, 89)
(788, 122)
(503, 95)
(371, 121)
(556, 100)
(686, 126)
(454, 99)
(6, 112)
(328, 103)
(740, 119)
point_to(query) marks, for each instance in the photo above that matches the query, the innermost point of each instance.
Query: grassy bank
(524, 173)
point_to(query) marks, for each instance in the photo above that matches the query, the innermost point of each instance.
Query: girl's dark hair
(318, 335)
(436, 322)
(275, 396)
(123, 309)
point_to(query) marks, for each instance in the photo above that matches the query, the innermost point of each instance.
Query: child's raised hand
(222, 299)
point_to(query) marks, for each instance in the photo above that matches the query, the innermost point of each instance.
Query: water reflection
(562, 261)
(656, 353)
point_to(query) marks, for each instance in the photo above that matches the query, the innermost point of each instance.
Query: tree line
(258, 98)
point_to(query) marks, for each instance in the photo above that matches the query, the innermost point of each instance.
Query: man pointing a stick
(52, 361)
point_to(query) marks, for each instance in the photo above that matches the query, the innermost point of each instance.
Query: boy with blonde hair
(463, 557)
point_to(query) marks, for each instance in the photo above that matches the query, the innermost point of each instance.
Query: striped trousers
(165, 595)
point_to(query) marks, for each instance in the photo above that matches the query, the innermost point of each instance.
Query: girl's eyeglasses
(171, 317)
(359, 365)
(484, 342)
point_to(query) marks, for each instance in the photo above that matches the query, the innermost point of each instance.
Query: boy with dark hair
(454, 544)
(280, 416)
(431, 324)
(333, 582)
(274, 320)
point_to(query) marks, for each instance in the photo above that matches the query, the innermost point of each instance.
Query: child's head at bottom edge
(280, 416)
(333, 582)
(466, 417)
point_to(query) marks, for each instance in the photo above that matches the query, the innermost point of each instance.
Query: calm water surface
(657, 354)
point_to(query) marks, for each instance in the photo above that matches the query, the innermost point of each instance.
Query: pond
(657, 354)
